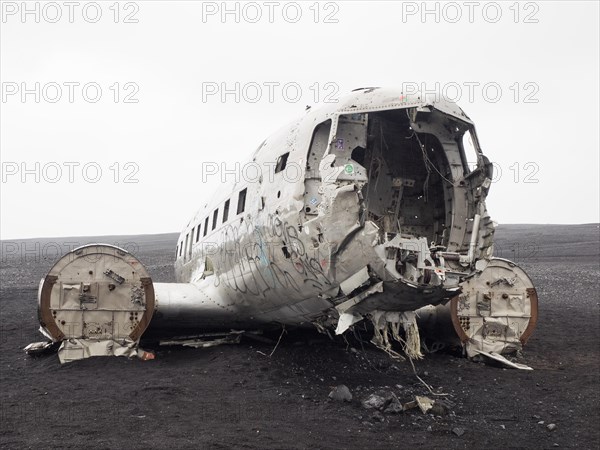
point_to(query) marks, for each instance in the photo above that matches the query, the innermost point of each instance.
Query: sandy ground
(235, 396)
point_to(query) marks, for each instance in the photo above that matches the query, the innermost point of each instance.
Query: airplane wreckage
(383, 220)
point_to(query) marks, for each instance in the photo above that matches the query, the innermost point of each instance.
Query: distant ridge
(518, 242)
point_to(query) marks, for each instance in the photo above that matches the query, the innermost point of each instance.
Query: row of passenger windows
(194, 235)
(241, 205)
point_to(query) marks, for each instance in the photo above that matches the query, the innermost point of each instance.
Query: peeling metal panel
(74, 349)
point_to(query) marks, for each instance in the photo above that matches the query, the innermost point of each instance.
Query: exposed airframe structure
(373, 208)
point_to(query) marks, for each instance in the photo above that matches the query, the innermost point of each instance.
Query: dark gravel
(234, 396)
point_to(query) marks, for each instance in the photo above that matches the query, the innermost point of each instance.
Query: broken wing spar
(387, 221)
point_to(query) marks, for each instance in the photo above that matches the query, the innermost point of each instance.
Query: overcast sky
(128, 102)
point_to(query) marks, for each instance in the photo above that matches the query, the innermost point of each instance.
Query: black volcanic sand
(236, 396)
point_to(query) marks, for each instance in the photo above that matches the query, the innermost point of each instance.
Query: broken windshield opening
(407, 172)
(469, 150)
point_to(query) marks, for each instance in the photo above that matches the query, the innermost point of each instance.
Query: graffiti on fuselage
(255, 259)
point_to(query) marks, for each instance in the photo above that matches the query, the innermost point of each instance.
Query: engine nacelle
(98, 299)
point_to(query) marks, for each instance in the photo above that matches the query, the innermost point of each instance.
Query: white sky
(171, 51)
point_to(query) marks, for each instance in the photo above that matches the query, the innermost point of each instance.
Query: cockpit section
(416, 183)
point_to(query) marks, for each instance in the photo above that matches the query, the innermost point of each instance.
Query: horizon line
(178, 232)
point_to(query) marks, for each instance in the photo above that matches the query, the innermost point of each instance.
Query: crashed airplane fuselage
(372, 207)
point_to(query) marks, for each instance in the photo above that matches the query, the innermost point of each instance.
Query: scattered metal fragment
(425, 403)
(207, 340)
(38, 348)
(497, 358)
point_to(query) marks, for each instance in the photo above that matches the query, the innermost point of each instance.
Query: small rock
(429, 428)
(459, 431)
(410, 405)
(373, 401)
(503, 427)
(541, 422)
(341, 393)
(551, 426)
(378, 416)
(394, 406)
(438, 409)
(535, 416)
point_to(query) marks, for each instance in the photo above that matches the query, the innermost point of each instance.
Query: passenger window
(198, 233)
(215, 215)
(187, 236)
(180, 247)
(205, 227)
(281, 162)
(241, 206)
(226, 211)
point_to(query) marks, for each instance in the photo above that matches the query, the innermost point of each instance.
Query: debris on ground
(496, 358)
(341, 393)
(373, 401)
(458, 431)
(425, 403)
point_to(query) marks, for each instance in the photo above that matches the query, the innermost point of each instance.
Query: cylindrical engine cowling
(496, 311)
(100, 292)
(97, 292)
